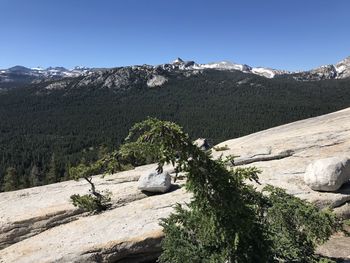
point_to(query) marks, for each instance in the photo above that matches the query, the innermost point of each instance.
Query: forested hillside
(43, 132)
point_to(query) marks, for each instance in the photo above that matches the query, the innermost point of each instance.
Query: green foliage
(347, 222)
(51, 176)
(84, 171)
(10, 180)
(227, 220)
(138, 154)
(221, 222)
(149, 143)
(108, 163)
(92, 203)
(35, 176)
(296, 226)
(221, 148)
(323, 260)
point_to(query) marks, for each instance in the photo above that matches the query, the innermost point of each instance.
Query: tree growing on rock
(95, 201)
(227, 220)
(126, 158)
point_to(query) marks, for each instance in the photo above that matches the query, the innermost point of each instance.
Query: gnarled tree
(95, 201)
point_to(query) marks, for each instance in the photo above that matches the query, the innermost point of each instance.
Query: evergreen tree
(10, 180)
(66, 175)
(51, 176)
(227, 220)
(35, 176)
(95, 201)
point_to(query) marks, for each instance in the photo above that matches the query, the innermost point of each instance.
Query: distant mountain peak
(19, 68)
(339, 70)
(177, 61)
(345, 60)
(343, 68)
(80, 68)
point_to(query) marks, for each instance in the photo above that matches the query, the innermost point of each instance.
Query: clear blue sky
(284, 34)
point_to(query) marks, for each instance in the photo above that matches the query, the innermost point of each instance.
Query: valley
(50, 125)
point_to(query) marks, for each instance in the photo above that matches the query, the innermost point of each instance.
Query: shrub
(296, 227)
(221, 148)
(95, 201)
(92, 203)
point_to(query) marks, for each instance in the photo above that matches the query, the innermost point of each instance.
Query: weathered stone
(156, 81)
(202, 144)
(337, 247)
(328, 174)
(155, 182)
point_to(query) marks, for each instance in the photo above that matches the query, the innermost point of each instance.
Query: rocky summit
(153, 75)
(41, 225)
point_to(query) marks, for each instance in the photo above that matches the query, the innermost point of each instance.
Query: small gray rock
(154, 182)
(202, 144)
(328, 174)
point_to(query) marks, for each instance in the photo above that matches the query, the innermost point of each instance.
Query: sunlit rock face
(328, 174)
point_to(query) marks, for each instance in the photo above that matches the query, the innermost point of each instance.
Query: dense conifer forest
(44, 132)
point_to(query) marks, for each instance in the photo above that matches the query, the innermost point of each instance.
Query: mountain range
(22, 75)
(19, 75)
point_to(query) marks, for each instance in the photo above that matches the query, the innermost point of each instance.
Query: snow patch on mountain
(227, 65)
(223, 65)
(265, 72)
(343, 68)
(38, 74)
(38, 68)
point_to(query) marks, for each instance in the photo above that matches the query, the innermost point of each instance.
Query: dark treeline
(43, 133)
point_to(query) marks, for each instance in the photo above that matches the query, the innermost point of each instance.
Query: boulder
(155, 182)
(202, 144)
(327, 174)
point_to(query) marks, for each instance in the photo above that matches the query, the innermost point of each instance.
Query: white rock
(156, 81)
(154, 182)
(328, 174)
(202, 144)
